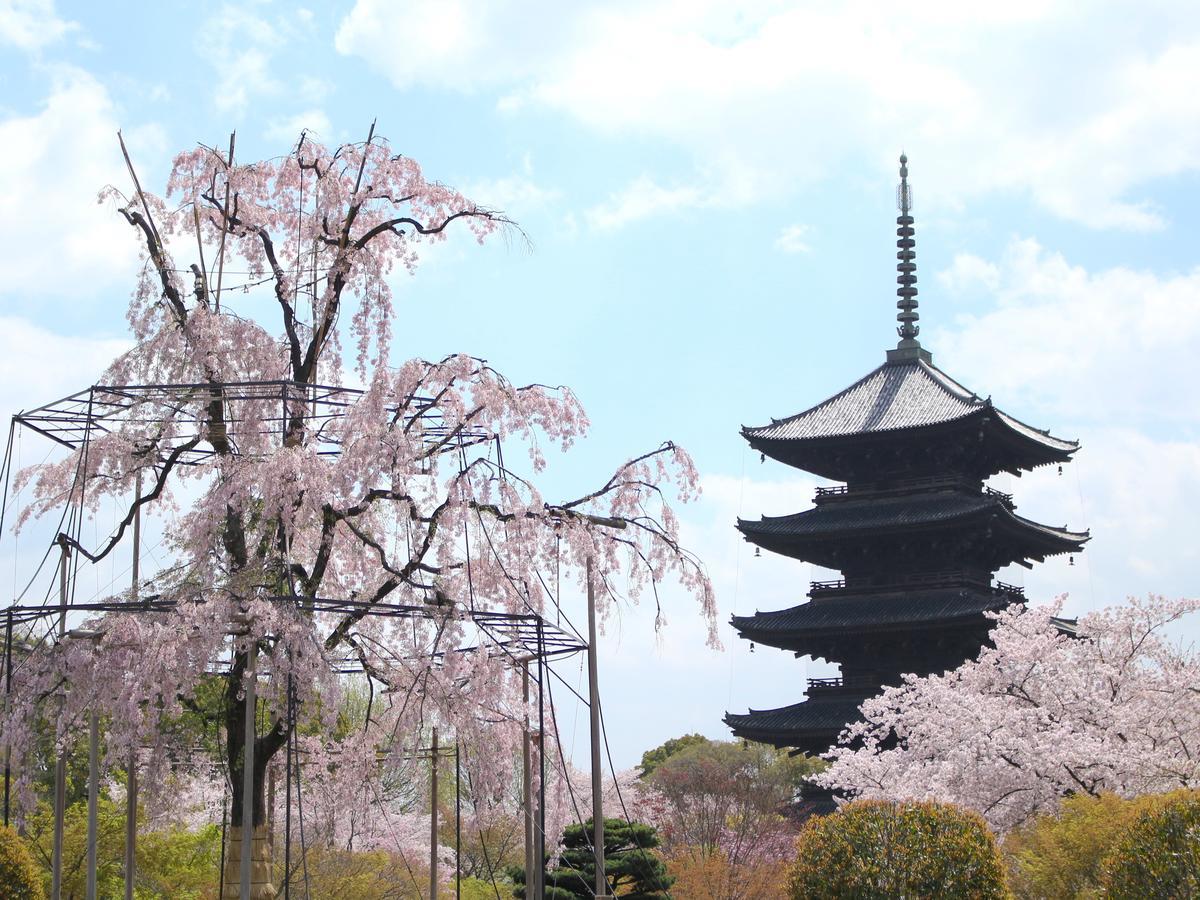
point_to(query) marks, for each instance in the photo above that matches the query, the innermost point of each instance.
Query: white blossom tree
(1039, 715)
(407, 495)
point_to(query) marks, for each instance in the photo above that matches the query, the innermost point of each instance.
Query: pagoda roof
(870, 515)
(822, 718)
(907, 609)
(899, 396)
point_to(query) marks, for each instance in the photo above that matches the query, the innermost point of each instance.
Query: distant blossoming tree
(720, 808)
(404, 496)
(1038, 716)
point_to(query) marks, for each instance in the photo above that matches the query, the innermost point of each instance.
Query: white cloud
(26, 381)
(1078, 345)
(1135, 493)
(54, 238)
(238, 45)
(641, 199)
(445, 43)
(791, 90)
(287, 129)
(968, 273)
(794, 239)
(1108, 358)
(517, 194)
(32, 24)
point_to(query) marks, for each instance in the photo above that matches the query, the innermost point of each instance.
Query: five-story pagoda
(911, 526)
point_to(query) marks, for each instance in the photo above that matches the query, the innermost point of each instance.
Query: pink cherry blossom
(1039, 715)
(412, 486)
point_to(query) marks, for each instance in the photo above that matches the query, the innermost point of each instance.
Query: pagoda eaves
(914, 402)
(982, 525)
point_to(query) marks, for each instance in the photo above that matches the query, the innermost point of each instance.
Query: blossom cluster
(1046, 711)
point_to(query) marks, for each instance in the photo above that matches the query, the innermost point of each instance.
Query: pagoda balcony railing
(819, 586)
(1012, 589)
(940, 578)
(903, 486)
(1006, 499)
(853, 682)
(835, 491)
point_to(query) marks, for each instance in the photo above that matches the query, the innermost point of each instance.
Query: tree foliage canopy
(19, 877)
(1059, 855)
(1159, 854)
(873, 848)
(652, 759)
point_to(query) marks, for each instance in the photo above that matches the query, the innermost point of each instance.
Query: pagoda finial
(908, 347)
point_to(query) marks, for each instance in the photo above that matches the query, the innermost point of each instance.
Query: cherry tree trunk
(261, 885)
(262, 841)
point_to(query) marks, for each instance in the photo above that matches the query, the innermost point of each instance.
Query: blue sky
(709, 192)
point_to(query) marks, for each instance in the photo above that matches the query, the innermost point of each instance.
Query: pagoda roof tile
(872, 611)
(895, 396)
(813, 714)
(910, 510)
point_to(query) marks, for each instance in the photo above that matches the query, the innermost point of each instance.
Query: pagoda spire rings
(908, 348)
(907, 266)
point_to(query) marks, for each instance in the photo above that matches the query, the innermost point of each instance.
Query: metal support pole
(540, 842)
(131, 786)
(93, 798)
(457, 821)
(527, 782)
(271, 778)
(594, 713)
(131, 805)
(60, 765)
(433, 817)
(8, 629)
(248, 770)
(287, 806)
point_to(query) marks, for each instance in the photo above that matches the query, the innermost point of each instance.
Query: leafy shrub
(701, 875)
(632, 868)
(1058, 856)
(19, 877)
(1159, 854)
(873, 848)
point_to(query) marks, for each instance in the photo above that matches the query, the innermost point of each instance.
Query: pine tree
(634, 871)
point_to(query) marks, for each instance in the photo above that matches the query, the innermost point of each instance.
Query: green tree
(634, 871)
(110, 847)
(1159, 854)
(873, 848)
(1058, 856)
(19, 877)
(178, 863)
(652, 759)
(171, 863)
(729, 795)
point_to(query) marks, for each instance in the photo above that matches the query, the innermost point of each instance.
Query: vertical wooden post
(60, 765)
(247, 862)
(93, 798)
(131, 785)
(287, 791)
(270, 835)
(594, 712)
(539, 843)
(224, 227)
(8, 629)
(527, 781)
(433, 818)
(457, 821)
